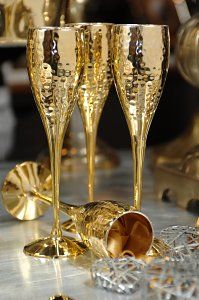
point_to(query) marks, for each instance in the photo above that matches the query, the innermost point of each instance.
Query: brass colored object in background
(187, 50)
(186, 54)
(108, 228)
(175, 151)
(177, 162)
(179, 182)
(74, 156)
(140, 65)
(54, 61)
(18, 15)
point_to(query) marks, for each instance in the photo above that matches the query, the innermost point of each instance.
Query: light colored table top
(23, 277)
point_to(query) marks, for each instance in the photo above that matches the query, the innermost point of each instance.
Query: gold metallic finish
(19, 187)
(94, 86)
(179, 182)
(51, 247)
(187, 50)
(69, 226)
(60, 297)
(18, 15)
(54, 61)
(177, 162)
(175, 151)
(108, 228)
(20, 191)
(159, 248)
(140, 65)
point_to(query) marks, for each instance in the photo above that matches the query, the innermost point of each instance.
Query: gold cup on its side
(113, 229)
(108, 228)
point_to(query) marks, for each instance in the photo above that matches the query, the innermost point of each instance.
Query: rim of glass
(130, 212)
(50, 27)
(140, 25)
(89, 24)
(69, 26)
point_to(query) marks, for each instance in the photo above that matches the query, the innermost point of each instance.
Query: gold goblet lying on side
(140, 65)
(54, 61)
(108, 228)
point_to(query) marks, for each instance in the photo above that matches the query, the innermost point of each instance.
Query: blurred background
(22, 136)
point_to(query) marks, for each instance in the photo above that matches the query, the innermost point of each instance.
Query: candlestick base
(49, 247)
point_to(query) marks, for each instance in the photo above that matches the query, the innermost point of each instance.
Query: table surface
(24, 277)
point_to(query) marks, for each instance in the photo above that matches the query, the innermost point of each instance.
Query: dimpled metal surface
(140, 65)
(94, 85)
(54, 61)
(97, 77)
(93, 221)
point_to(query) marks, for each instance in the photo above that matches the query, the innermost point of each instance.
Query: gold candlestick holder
(108, 228)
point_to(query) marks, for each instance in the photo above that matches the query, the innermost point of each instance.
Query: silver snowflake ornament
(171, 280)
(183, 241)
(121, 275)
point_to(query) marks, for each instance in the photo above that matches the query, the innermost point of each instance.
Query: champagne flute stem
(138, 147)
(91, 146)
(55, 158)
(63, 207)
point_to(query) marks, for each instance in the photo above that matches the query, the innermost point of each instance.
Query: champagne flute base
(60, 297)
(50, 248)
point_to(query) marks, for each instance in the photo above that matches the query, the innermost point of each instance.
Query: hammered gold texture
(94, 85)
(95, 220)
(54, 61)
(140, 65)
(54, 64)
(96, 78)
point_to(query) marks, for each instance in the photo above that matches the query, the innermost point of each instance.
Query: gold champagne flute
(94, 86)
(140, 65)
(54, 61)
